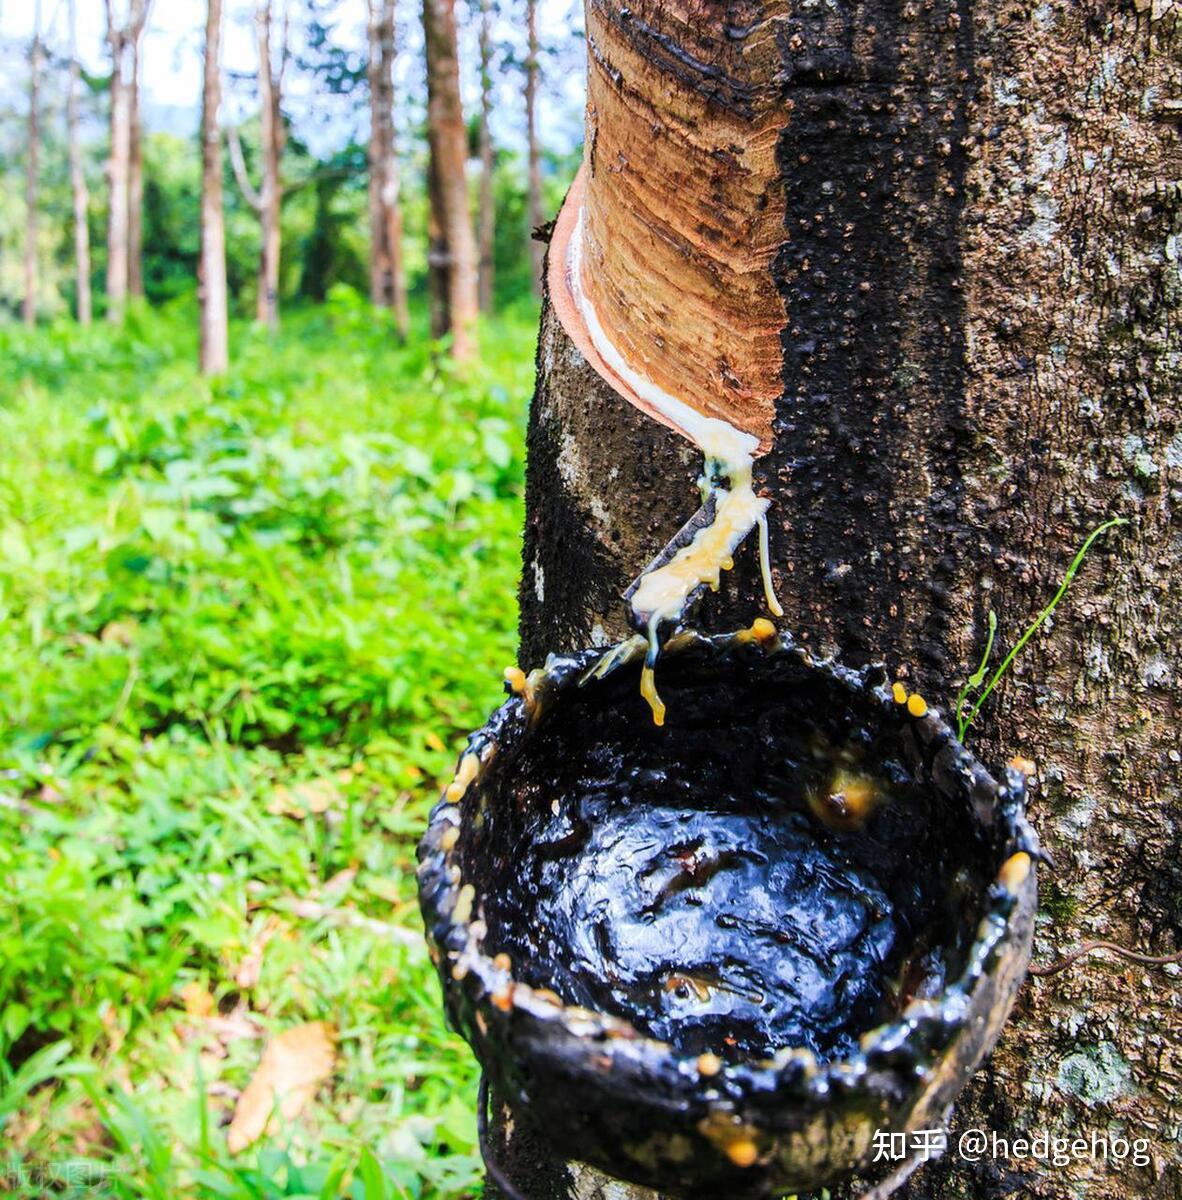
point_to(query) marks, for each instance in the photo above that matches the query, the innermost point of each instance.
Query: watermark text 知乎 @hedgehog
(976, 1145)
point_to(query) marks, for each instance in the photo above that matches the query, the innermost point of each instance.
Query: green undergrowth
(243, 627)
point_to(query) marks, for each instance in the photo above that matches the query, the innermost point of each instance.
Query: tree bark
(122, 39)
(211, 273)
(32, 168)
(274, 137)
(452, 246)
(79, 191)
(387, 275)
(929, 255)
(486, 205)
(533, 154)
(135, 179)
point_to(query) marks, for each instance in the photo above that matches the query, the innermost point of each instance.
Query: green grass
(212, 596)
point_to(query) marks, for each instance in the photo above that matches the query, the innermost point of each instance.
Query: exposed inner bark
(975, 250)
(684, 203)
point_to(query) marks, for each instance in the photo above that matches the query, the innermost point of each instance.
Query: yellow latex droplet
(648, 689)
(469, 768)
(709, 1064)
(462, 913)
(847, 802)
(743, 1152)
(1014, 872)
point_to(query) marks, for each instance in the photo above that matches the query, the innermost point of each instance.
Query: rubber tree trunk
(118, 162)
(211, 270)
(78, 188)
(32, 169)
(931, 253)
(486, 205)
(533, 152)
(273, 136)
(387, 276)
(452, 251)
(123, 42)
(135, 180)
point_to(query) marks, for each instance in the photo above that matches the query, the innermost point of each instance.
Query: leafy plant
(965, 719)
(243, 630)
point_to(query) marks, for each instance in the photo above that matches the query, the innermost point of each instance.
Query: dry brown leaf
(234, 1027)
(251, 966)
(312, 796)
(293, 1066)
(198, 1002)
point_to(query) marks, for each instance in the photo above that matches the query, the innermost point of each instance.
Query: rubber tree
(273, 136)
(211, 266)
(486, 204)
(533, 154)
(930, 254)
(135, 178)
(123, 38)
(387, 277)
(451, 255)
(32, 172)
(78, 189)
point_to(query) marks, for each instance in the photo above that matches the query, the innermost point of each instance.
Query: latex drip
(663, 594)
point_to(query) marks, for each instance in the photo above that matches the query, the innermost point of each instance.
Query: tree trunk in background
(486, 207)
(81, 195)
(387, 276)
(117, 167)
(534, 170)
(451, 254)
(32, 166)
(122, 40)
(135, 179)
(211, 271)
(955, 230)
(274, 138)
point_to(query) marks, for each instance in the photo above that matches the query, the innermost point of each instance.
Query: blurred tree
(272, 69)
(486, 208)
(123, 40)
(533, 165)
(79, 191)
(29, 307)
(387, 274)
(211, 275)
(135, 175)
(267, 200)
(452, 249)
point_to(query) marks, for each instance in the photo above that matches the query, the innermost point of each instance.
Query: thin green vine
(965, 719)
(975, 679)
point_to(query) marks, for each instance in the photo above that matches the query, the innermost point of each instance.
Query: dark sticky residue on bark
(870, 272)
